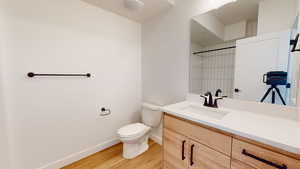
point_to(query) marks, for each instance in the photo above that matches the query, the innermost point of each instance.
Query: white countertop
(271, 130)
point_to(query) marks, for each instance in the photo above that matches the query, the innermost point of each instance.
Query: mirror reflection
(243, 51)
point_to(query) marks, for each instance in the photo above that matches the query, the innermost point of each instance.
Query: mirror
(244, 49)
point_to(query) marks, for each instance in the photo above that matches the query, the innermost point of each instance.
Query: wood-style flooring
(111, 158)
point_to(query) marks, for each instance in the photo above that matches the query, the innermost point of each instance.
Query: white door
(255, 57)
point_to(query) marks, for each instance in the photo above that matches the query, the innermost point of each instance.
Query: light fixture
(134, 5)
(219, 3)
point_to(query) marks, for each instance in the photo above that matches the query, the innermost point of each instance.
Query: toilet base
(131, 151)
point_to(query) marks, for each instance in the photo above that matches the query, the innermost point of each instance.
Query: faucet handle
(220, 98)
(204, 96)
(205, 99)
(216, 100)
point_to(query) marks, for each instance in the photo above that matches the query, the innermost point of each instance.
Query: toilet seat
(133, 130)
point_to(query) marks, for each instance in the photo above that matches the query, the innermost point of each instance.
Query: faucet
(210, 101)
(218, 92)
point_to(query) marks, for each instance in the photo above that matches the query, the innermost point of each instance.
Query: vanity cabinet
(181, 152)
(189, 145)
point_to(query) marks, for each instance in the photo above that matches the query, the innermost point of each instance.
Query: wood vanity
(187, 144)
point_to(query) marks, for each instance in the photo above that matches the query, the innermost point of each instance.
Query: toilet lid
(132, 130)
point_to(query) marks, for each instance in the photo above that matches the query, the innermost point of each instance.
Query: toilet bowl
(135, 136)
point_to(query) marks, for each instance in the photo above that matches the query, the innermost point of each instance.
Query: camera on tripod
(275, 78)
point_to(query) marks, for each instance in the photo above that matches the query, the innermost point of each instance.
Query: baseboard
(80, 155)
(156, 139)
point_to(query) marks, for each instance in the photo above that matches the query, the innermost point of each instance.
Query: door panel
(175, 150)
(255, 57)
(202, 157)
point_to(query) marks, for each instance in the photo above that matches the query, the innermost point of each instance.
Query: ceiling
(238, 11)
(151, 8)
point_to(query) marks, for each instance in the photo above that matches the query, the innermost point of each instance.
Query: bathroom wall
(4, 147)
(54, 121)
(235, 31)
(165, 50)
(251, 28)
(4, 153)
(268, 15)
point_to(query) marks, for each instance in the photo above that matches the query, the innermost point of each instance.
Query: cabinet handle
(263, 160)
(192, 154)
(182, 150)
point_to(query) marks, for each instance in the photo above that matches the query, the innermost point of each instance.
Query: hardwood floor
(111, 158)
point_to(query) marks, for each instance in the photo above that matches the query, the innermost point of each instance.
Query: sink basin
(205, 111)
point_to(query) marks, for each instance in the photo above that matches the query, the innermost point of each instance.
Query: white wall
(54, 118)
(227, 32)
(212, 24)
(4, 147)
(165, 53)
(276, 15)
(4, 153)
(251, 28)
(235, 31)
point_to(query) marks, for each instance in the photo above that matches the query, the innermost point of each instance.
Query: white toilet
(135, 136)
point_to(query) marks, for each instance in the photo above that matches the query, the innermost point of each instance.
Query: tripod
(274, 89)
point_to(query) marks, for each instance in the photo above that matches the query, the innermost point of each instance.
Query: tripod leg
(273, 96)
(267, 93)
(281, 98)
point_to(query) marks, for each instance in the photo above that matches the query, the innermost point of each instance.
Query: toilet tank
(151, 115)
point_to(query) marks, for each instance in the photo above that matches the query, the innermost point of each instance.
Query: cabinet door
(202, 157)
(175, 150)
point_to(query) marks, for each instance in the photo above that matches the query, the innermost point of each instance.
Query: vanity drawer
(212, 139)
(236, 164)
(261, 158)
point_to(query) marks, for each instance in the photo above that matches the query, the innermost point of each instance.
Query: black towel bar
(31, 74)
